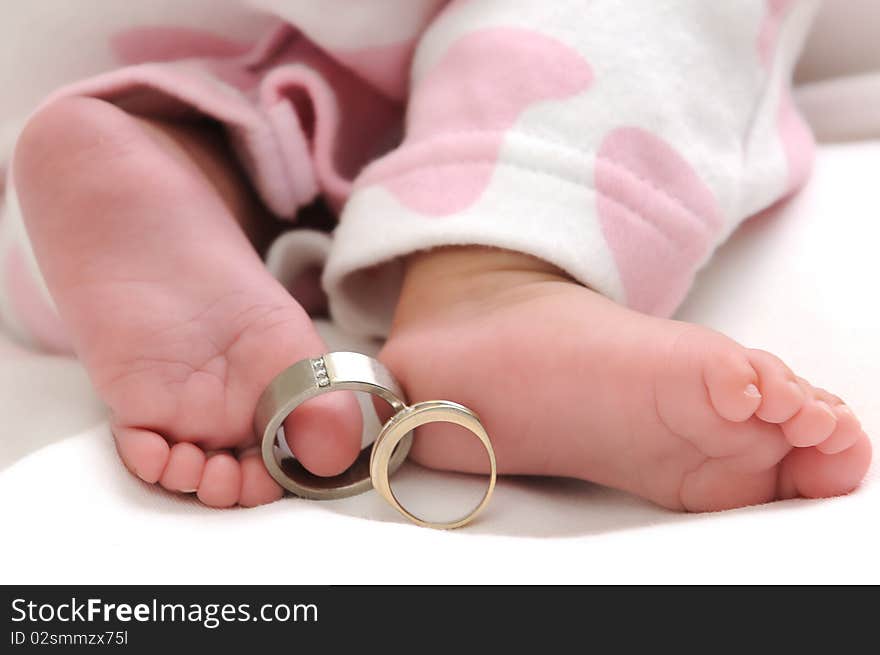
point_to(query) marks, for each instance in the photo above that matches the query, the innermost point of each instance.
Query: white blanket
(801, 283)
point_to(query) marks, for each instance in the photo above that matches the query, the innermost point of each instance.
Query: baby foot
(569, 383)
(138, 231)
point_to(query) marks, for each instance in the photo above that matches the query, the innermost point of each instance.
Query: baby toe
(826, 396)
(143, 452)
(813, 474)
(732, 384)
(221, 481)
(186, 462)
(847, 432)
(257, 486)
(811, 425)
(782, 396)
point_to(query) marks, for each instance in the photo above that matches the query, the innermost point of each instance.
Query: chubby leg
(143, 232)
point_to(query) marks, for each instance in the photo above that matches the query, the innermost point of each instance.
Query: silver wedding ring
(308, 378)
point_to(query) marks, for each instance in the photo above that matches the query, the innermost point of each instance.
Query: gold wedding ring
(402, 424)
(350, 371)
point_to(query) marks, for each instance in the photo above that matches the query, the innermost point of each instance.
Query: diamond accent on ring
(320, 371)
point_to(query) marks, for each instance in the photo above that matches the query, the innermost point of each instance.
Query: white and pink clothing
(620, 141)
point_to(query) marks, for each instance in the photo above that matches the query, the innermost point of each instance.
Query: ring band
(305, 380)
(400, 426)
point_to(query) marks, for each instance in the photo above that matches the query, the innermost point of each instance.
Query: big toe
(325, 433)
(782, 396)
(732, 384)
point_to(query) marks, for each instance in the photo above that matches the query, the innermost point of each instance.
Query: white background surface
(801, 283)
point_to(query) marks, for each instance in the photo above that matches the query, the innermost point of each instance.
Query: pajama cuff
(283, 176)
(300, 124)
(537, 200)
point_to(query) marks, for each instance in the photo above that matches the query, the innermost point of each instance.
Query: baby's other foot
(140, 231)
(569, 383)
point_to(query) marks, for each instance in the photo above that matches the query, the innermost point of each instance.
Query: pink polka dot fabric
(621, 142)
(659, 219)
(544, 68)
